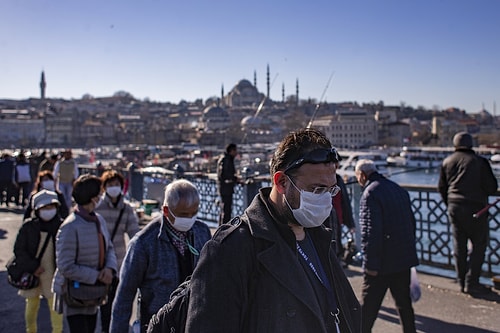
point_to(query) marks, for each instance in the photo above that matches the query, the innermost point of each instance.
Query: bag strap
(116, 224)
(40, 255)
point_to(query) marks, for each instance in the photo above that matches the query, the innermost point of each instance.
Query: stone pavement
(441, 309)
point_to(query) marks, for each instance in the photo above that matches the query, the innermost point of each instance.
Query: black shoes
(478, 289)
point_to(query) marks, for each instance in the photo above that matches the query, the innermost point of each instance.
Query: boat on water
(419, 157)
(495, 163)
(349, 158)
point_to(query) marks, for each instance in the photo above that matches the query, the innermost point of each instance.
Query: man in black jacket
(274, 269)
(226, 177)
(465, 181)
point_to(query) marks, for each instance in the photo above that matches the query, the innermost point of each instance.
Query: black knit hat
(462, 140)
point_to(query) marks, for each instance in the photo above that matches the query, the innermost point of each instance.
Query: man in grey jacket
(160, 256)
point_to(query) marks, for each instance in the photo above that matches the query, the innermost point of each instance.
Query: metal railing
(434, 238)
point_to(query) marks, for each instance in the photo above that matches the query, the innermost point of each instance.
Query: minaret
(297, 91)
(43, 85)
(268, 84)
(283, 92)
(255, 78)
(222, 94)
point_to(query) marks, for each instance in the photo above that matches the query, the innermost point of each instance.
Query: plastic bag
(415, 291)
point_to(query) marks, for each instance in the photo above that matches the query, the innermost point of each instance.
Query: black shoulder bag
(21, 279)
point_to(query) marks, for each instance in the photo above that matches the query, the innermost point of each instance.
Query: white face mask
(48, 185)
(314, 208)
(47, 214)
(98, 202)
(113, 191)
(183, 223)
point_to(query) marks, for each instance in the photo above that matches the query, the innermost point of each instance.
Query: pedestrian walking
(388, 245)
(274, 269)
(36, 232)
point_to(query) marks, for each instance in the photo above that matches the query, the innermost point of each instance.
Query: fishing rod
(485, 209)
(259, 108)
(320, 100)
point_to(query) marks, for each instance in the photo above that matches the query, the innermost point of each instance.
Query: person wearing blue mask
(160, 256)
(274, 268)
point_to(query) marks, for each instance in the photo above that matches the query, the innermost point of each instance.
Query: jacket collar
(281, 258)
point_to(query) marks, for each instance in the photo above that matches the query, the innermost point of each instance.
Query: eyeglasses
(316, 156)
(333, 190)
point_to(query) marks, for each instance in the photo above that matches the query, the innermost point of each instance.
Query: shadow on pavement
(427, 324)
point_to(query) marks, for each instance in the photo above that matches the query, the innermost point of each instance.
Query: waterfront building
(350, 128)
(21, 127)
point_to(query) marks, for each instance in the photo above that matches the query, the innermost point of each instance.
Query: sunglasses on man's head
(316, 156)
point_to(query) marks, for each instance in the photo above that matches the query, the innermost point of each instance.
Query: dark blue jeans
(465, 228)
(373, 292)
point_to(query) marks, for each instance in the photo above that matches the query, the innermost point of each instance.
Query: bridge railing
(434, 238)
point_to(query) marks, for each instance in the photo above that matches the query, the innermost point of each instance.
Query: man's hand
(371, 273)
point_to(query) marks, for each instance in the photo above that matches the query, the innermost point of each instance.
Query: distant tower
(297, 91)
(268, 84)
(222, 95)
(255, 78)
(43, 85)
(283, 93)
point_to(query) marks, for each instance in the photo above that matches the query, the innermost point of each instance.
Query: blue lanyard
(315, 271)
(309, 263)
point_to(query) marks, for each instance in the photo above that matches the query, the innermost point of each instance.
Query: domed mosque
(244, 93)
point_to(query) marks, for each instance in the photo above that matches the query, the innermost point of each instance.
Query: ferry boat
(495, 163)
(350, 158)
(417, 157)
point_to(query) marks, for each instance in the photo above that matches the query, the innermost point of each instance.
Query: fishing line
(320, 100)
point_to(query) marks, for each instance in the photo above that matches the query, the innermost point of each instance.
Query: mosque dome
(244, 84)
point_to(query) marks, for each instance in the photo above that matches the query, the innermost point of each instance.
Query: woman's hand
(105, 276)
(39, 271)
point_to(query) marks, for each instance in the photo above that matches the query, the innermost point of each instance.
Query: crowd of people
(277, 267)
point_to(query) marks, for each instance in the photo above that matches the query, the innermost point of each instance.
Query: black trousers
(464, 228)
(82, 323)
(226, 208)
(373, 292)
(106, 308)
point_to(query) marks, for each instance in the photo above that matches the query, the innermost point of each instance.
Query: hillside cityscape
(242, 115)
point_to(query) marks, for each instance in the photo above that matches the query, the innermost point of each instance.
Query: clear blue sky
(427, 53)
